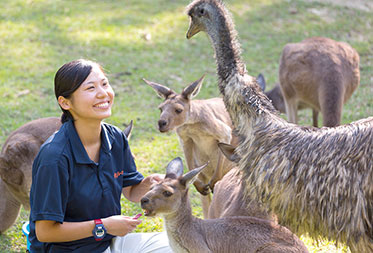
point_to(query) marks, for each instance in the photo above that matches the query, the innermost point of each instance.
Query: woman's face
(93, 99)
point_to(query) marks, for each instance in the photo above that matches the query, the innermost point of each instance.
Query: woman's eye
(105, 83)
(91, 87)
(167, 193)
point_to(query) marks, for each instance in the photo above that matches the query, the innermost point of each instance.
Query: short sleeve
(50, 190)
(131, 176)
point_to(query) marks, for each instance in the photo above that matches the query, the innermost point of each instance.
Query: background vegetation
(136, 39)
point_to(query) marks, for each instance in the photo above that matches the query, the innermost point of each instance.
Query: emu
(315, 180)
(187, 233)
(200, 126)
(320, 73)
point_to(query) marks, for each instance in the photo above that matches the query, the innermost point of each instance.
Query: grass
(139, 39)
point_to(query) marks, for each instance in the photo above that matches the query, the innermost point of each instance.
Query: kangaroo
(187, 233)
(200, 126)
(321, 73)
(16, 158)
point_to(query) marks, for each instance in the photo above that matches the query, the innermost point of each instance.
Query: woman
(81, 171)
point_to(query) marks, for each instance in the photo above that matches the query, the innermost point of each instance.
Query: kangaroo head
(167, 196)
(175, 107)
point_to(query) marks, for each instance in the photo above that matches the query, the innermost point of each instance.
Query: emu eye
(167, 194)
(201, 11)
(178, 111)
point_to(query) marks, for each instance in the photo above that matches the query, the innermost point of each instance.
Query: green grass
(38, 36)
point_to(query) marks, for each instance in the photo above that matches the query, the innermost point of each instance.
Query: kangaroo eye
(167, 194)
(178, 111)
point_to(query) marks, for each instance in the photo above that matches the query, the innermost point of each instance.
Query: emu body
(16, 158)
(315, 180)
(200, 126)
(187, 233)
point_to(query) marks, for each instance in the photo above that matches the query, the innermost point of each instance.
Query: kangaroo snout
(144, 201)
(162, 125)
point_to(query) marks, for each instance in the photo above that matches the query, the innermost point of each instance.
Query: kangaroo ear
(189, 177)
(261, 81)
(175, 168)
(193, 89)
(228, 151)
(162, 91)
(127, 132)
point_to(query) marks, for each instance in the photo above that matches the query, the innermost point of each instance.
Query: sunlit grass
(142, 39)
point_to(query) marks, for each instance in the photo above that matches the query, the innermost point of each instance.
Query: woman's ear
(64, 103)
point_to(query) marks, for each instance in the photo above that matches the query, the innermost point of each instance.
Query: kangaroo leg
(291, 110)
(206, 201)
(331, 103)
(9, 208)
(315, 117)
(218, 172)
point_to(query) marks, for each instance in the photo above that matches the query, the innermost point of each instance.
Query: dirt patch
(364, 5)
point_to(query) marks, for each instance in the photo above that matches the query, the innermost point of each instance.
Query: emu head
(203, 15)
(175, 107)
(166, 197)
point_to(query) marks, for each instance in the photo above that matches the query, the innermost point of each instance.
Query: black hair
(69, 78)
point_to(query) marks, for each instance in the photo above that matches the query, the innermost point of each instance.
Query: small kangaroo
(187, 233)
(200, 125)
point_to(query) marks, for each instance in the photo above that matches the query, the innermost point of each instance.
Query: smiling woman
(82, 170)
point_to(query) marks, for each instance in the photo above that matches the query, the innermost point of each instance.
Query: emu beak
(193, 29)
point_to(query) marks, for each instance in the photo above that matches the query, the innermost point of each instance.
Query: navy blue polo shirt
(68, 186)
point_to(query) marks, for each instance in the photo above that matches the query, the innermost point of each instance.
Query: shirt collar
(78, 150)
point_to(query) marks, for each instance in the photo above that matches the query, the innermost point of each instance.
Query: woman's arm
(52, 231)
(134, 193)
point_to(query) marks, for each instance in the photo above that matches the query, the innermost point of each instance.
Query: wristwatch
(99, 231)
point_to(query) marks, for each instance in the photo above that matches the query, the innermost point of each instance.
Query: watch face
(100, 232)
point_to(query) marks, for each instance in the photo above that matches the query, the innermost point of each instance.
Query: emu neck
(227, 49)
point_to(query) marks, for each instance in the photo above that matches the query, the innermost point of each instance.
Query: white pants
(140, 243)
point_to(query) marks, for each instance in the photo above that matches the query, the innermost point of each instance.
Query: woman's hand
(134, 193)
(153, 179)
(119, 225)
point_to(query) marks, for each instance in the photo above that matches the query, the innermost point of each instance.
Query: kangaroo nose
(144, 201)
(162, 123)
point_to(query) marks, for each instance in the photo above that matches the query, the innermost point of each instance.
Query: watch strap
(98, 221)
